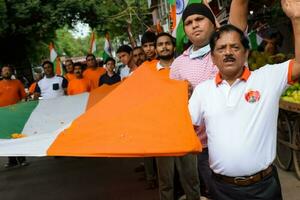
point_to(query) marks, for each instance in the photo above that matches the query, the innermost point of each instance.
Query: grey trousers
(188, 175)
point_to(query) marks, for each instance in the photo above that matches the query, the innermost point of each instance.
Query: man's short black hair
(225, 29)
(47, 62)
(168, 35)
(124, 48)
(110, 59)
(148, 36)
(90, 55)
(77, 64)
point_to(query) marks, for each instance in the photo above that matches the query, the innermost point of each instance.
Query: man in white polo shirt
(240, 111)
(195, 66)
(51, 86)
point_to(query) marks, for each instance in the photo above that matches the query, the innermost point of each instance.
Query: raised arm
(206, 2)
(238, 15)
(292, 10)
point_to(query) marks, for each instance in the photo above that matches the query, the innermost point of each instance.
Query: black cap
(200, 9)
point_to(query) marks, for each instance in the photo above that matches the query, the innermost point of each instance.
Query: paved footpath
(90, 179)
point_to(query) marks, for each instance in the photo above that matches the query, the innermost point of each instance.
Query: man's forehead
(194, 16)
(229, 38)
(47, 65)
(137, 51)
(164, 39)
(123, 53)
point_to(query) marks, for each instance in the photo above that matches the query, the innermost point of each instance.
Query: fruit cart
(288, 138)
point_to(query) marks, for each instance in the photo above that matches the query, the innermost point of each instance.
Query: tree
(27, 26)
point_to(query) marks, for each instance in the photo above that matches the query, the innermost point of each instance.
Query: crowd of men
(234, 111)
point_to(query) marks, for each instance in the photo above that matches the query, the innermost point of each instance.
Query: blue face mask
(200, 52)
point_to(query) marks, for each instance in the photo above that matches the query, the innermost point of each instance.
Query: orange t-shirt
(77, 86)
(32, 88)
(69, 76)
(94, 75)
(11, 92)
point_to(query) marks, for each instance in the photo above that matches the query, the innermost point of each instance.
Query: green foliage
(27, 26)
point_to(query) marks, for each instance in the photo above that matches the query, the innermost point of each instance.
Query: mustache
(229, 58)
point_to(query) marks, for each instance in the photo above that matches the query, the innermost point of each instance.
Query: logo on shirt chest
(252, 96)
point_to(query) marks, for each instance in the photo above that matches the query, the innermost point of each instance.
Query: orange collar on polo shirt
(244, 77)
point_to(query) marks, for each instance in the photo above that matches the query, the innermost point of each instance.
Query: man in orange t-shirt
(93, 72)
(79, 84)
(70, 70)
(11, 92)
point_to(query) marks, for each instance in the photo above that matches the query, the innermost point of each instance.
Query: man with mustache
(240, 114)
(164, 47)
(79, 84)
(195, 66)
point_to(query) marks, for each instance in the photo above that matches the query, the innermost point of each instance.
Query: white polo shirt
(241, 119)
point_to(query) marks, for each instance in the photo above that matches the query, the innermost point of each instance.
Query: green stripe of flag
(17, 115)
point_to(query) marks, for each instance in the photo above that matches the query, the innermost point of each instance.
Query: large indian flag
(177, 8)
(146, 115)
